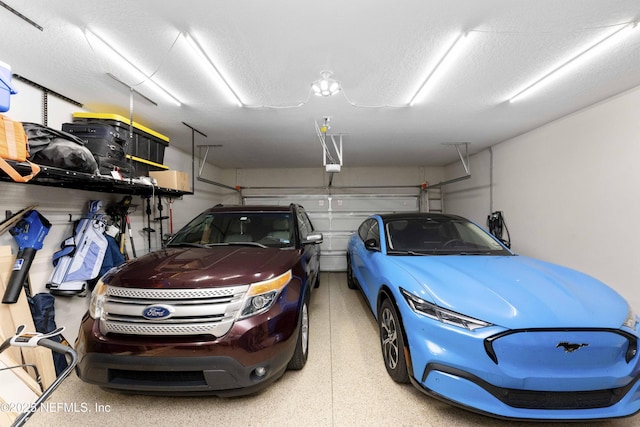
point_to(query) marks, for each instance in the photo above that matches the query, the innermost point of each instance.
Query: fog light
(260, 371)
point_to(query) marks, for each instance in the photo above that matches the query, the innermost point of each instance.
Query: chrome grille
(173, 293)
(194, 311)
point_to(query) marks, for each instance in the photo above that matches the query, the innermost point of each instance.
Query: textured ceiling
(379, 50)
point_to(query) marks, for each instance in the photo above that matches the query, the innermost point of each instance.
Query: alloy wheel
(389, 338)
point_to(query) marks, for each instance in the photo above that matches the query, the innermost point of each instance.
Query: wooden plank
(21, 315)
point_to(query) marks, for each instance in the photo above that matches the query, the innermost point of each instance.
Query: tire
(301, 352)
(316, 284)
(351, 281)
(392, 342)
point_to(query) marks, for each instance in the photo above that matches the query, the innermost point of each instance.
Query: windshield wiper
(195, 245)
(208, 245)
(413, 253)
(260, 245)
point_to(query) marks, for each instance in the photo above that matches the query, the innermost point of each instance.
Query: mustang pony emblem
(570, 347)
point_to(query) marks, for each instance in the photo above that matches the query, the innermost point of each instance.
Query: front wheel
(301, 352)
(392, 342)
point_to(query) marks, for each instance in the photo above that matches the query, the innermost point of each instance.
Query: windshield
(272, 229)
(439, 236)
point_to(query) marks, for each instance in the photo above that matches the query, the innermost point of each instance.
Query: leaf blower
(29, 232)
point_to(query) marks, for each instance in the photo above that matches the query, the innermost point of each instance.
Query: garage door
(337, 216)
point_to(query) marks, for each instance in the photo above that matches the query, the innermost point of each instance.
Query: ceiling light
(326, 86)
(451, 53)
(115, 56)
(594, 49)
(208, 63)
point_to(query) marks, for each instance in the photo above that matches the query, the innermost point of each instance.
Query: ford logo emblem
(157, 312)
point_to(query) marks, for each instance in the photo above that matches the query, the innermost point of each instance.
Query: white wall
(28, 104)
(471, 197)
(568, 190)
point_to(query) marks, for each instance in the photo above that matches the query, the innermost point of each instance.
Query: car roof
(252, 208)
(417, 215)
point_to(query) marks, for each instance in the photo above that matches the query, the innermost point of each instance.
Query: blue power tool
(29, 233)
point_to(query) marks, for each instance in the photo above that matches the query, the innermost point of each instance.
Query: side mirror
(371, 245)
(314, 239)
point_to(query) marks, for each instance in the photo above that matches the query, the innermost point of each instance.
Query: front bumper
(467, 391)
(213, 375)
(253, 354)
(528, 374)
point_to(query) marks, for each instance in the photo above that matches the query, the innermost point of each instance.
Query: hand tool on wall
(115, 212)
(161, 218)
(133, 247)
(119, 212)
(148, 228)
(171, 216)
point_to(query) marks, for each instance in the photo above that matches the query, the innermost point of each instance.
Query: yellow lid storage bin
(145, 147)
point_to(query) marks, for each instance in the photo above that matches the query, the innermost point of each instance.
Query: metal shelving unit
(62, 178)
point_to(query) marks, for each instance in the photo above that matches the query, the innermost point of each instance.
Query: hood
(218, 266)
(514, 291)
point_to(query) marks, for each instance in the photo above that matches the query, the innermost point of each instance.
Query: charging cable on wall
(496, 224)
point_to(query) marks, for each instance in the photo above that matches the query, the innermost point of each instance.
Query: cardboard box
(175, 180)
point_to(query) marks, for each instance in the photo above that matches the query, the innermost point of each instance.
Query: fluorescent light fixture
(118, 58)
(208, 63)
(596, 48)
(447, 58)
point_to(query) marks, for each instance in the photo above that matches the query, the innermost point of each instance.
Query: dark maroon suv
(222, 309)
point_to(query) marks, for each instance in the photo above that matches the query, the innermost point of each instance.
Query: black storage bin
(142, 167)
(96, 130)
(145, 144)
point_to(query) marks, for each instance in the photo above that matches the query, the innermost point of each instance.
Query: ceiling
(379, 50)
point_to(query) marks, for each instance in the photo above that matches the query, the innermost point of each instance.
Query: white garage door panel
(338, 216)
(311, 203)
(374, 203)
(336, 221)
(320, 221)
(350, 222)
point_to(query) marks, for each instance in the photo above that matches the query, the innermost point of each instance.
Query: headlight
(432, 311)
(261, 295)
(631, 321)
(97, 299)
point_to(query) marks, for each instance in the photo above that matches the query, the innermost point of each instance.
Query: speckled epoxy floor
(343, 384)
